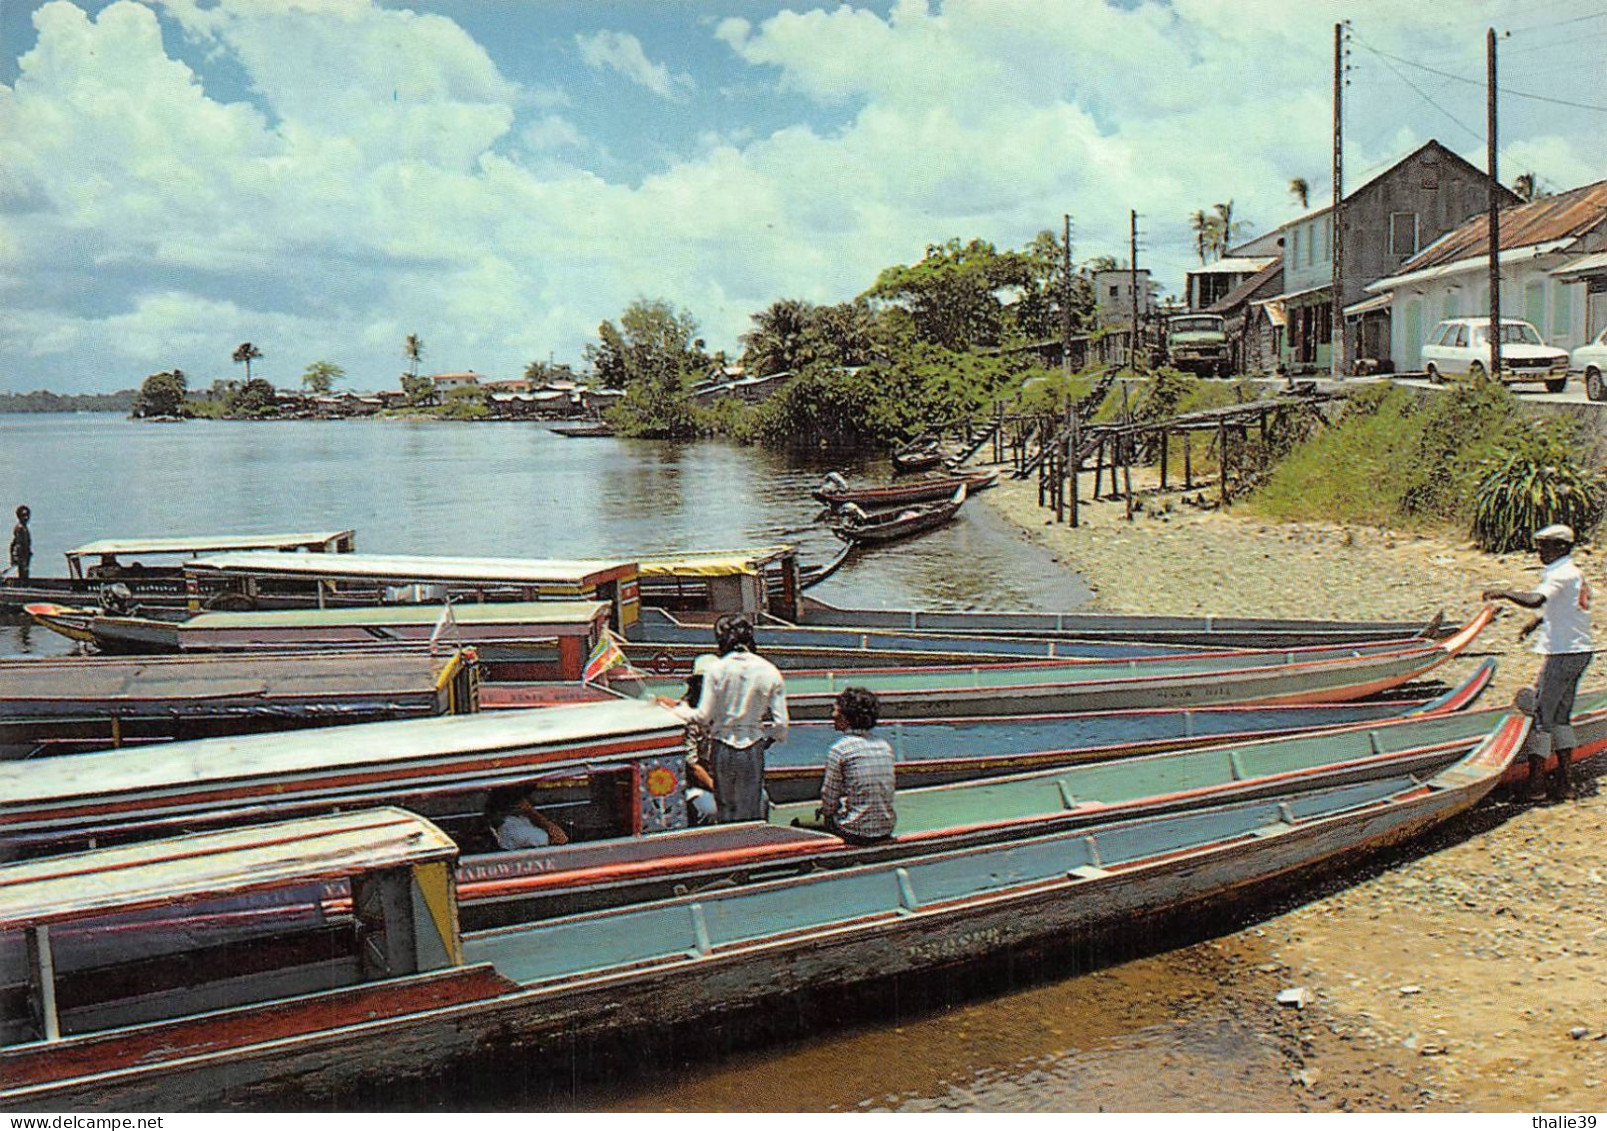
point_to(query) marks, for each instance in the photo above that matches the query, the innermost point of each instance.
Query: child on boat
(856, 796)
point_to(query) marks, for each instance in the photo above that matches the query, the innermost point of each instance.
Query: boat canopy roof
(107, 773)
(408, 568)
(715, 563)
(268, 675)
(554, 614)
(136, 876)
(333, 541)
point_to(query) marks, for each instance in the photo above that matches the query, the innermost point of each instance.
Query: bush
(1533, 485)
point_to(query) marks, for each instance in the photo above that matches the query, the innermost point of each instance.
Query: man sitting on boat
(743, 706)
(516, 823)
(856, 796)
(699, 782)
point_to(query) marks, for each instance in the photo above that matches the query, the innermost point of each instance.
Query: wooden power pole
(1065, 300)
(1495, 209)
(1132, 259)
(1336, 348)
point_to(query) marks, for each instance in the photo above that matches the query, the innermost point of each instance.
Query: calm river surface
(481, 490)
(1154, 1033)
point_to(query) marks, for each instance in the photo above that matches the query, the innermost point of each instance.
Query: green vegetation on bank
(42, 401)
(1468, 459)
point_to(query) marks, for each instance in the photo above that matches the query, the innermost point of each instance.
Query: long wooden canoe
(854, 524)
(903, 494)
(1294, 676)
(585, 876)
(169, 1022)
(56, 705)
(445, 772)
(437, 765)
(1212, 632)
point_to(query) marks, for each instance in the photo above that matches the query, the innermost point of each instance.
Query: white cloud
(622, 52)
(386, 178)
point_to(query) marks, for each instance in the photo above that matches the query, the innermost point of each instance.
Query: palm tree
(413, 348)
(1227, 228)
(1204, 229)
(1526, 185)
(247, 353)
(1300, 189)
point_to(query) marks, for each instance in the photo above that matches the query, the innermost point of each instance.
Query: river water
(1152, 1033)
(482, 490)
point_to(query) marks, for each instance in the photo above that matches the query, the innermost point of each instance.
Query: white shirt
(739, 691)
(1565, 617)
(517, 831)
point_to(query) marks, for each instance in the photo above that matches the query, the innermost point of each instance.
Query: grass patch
(1394, 459)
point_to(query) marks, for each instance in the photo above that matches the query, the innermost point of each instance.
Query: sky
(324, 177)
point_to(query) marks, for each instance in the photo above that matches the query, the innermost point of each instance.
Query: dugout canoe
(1315, 675)
(581, 761)
(1215, 632)
(854, 524)
(132, 993)
(835, 492)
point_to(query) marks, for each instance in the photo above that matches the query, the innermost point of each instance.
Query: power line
(1424, 96)
(1476, 82)
(1558, 23)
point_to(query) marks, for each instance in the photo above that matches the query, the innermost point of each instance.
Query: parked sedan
(1591, 360)
(1461, 346)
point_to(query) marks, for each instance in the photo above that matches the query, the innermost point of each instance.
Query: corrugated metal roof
(1466, 263)
(1566, 216)
(1268, 277)
(1235, 265)
(137, 876)
(1368, 305)
(1584, 265)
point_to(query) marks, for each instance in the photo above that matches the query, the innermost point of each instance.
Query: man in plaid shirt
(856, 797)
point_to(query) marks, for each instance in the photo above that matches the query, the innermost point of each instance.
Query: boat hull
(682, 959)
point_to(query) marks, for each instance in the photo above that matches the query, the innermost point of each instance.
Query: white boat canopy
(399, 568)
(556, 614)
(136, 876)
(329, 541)
(626, 725)
(715, 563)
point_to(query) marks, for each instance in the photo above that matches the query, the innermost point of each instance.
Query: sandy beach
(1471, 972)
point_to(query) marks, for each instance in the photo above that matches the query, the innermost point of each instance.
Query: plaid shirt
(857, 793)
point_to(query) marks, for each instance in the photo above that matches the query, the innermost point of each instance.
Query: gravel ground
(1470, 971)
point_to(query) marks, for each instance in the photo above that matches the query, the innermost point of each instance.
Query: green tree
(413, 350)
(954, 296)
(542, 372)
(652, 354)
(254, 398)
(321, 376)
(247, 353)
(777, 343)
(419, 390)
(162, 394)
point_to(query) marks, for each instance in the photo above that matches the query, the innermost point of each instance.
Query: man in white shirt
(1563, 598)
(743, 708)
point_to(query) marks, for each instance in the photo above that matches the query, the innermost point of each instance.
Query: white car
(1591, 360)
(1461, 346)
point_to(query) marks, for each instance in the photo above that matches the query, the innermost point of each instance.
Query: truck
(1198, 344)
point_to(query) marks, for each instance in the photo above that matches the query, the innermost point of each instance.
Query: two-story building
(1388, 219)
(1553, 263)
(1113, 297)
(1210, 283)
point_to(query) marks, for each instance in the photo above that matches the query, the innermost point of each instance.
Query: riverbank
(1471, 976)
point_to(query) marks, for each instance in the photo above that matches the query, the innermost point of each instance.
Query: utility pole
(1065, 301)
(1495, 209)
(1132, 259)
(1336, 349)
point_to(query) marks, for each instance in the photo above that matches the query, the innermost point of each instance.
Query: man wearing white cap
(1563, 598)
